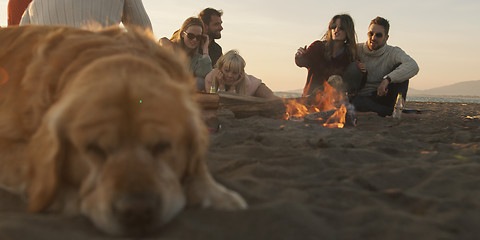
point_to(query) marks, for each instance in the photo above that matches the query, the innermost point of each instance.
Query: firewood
(319, 116)
(242, 106)
(246, 106)
(208, 101)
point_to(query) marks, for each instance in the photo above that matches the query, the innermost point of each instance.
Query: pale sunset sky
(440, 35)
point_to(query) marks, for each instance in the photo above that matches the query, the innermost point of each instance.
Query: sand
(418, 178)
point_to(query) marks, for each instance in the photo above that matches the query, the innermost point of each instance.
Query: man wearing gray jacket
(388, 70)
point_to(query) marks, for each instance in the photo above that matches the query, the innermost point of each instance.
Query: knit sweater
(200, 65)
(382, 62)
(86, 13)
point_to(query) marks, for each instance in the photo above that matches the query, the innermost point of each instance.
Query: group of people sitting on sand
(372, 73)
(212, 69)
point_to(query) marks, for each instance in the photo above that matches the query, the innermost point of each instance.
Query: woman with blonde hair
(229, 76)
(188, 39)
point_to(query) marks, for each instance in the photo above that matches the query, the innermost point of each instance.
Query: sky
(440, 35)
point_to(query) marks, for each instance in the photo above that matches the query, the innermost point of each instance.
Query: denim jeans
(383, 105)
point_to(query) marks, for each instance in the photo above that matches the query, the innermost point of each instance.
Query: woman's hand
(165, 42)
(361, 66)
(233, 86)
(301, 51)
(300, 58)
(220, 80)
(206, 42)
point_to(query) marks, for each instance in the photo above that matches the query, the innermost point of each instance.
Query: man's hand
(382, 90)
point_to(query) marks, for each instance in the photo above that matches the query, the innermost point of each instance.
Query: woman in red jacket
(334, 54)
(15, 10)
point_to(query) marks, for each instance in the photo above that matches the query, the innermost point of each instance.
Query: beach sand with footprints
(418, 178)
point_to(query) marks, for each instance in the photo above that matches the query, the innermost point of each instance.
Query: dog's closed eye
(160, 148)
(96, 150)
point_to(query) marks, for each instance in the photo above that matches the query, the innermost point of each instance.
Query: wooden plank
(242, 106)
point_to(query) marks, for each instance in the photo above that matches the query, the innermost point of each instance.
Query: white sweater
(381, 62)
(86, 13)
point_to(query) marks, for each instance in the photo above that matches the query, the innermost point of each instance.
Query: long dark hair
(351, 41)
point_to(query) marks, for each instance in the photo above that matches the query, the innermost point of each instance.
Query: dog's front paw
(223, 198)
(210, 194)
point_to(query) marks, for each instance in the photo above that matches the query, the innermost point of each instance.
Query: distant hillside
(469, 88)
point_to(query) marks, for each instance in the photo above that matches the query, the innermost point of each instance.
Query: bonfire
(329, 106)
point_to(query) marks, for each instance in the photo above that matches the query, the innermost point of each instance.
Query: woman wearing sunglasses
(334, 54)
(229, 76)
(188, 39)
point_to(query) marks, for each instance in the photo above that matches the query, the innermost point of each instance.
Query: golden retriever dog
(102, 124)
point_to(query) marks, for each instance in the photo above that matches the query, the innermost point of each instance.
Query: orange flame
(325, 100)
(337, 120)
(295, 109)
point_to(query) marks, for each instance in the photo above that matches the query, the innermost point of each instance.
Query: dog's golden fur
(103, 124)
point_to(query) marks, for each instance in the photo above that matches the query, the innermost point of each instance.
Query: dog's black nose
(137, 209)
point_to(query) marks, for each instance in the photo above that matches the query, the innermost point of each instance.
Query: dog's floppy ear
(45, 153)
(199, 186)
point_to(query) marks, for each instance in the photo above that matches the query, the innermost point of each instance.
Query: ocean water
(451, 99)
(412, 98)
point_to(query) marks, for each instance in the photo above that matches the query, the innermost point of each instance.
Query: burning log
(327, 117)
(242, 106)
(315, 109)
(327, 105)
(319, 116)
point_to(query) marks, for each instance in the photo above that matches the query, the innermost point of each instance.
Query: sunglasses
(192, 36)
(334, 25)
(378, 35)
